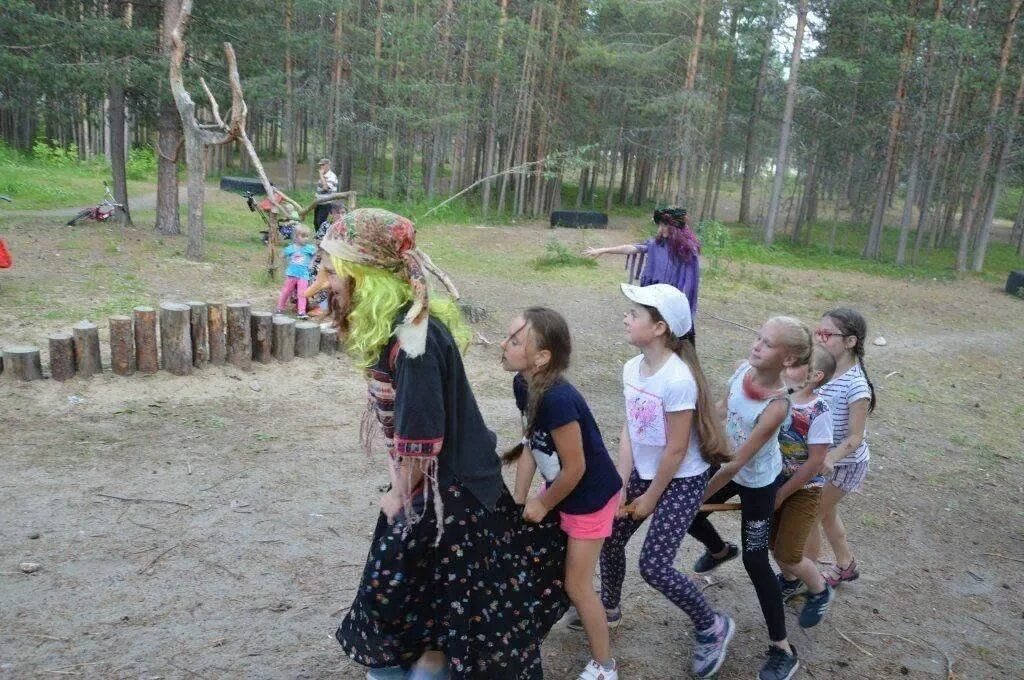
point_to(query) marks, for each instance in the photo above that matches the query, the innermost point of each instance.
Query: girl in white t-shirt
(851, 396)
(670, 438)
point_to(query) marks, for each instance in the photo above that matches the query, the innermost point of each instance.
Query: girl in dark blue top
(580, 480)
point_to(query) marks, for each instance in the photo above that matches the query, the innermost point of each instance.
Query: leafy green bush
(141, 164)
(55, 156)
(559, 255)
(714, 236)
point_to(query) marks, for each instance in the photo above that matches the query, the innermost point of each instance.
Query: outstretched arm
(626, 249)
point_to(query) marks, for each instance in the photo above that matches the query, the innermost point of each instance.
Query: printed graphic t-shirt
(561, 405)
(809, 423)
(671, 389)
(299, 259)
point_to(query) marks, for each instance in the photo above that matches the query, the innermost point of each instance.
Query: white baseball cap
(670, 302)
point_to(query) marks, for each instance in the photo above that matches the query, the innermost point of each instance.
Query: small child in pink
(298, 257)
(580, 480)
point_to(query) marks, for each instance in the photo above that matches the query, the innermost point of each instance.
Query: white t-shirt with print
(671, 389)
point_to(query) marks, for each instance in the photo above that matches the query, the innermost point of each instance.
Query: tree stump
(262, 336)
(87, 348)
(307, 339)
(176, 338)
(21, 362)
(200, 337)
(215, 328)
(239, 340)
(146, 360)
(62, 356)
(328, 341)
(284, 338)
(122, 349)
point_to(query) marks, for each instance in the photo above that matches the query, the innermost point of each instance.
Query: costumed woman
(671, 257)
(456, 583)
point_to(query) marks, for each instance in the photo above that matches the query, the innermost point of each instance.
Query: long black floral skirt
(486, 595)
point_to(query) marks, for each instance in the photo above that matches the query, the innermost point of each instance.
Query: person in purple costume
(671, 257)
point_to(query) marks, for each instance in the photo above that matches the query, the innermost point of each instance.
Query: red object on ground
(5, 256)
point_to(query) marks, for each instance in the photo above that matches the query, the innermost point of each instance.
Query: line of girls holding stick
(464, 579)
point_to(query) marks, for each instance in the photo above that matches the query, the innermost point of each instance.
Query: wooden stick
(859, 648)
(156, 559)
(143, 500)
(720, 507)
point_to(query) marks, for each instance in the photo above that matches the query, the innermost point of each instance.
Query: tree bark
(239, 338)
(87, 349)
(146, 358)
(755, 113)
(686, 123)
(62, 356)
(175, 338)
(215, 323)
(168, 220)
(122, 350)
(787, 123)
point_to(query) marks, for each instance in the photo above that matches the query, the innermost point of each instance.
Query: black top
(561, 405)
(435, 411)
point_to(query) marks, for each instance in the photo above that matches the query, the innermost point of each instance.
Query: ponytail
(713, 447)
(536, 388)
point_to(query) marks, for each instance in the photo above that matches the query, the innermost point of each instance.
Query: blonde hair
(301, 229)
(796, 337)
(822, 360)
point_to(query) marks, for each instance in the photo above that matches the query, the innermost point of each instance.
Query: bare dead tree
(198, 135)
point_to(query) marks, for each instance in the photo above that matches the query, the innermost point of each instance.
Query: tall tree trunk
(787, 124)
(981, 246)
(988, 141)
(685, 122)
(715, 164)
(755, 113)
(289, 99)
(490, 148)
(168, 220)
(873, 247)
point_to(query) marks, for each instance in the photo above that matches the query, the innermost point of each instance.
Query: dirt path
(215, 525)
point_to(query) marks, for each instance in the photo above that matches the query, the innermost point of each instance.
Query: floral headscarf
(383, 240)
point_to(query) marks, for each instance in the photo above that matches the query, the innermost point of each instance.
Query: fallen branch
(728, 321)
(507, 171)
(157, 559)
(950, 675)
(720, 507)
(859, 648)
(143, 500)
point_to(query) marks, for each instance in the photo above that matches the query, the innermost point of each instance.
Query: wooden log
(122, 347)
(22, 362)
(215, 332)
(262, 336)
(176, 338)
(328, 341)
(307, 339)
(239, 339)
(719, 507)
(284, 338)
(62, 356)
(146, 360)
(87, 348)
(200, 337)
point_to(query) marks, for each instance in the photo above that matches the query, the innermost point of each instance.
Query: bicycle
(101, 212)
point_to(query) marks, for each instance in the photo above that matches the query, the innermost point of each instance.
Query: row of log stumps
(189, 335)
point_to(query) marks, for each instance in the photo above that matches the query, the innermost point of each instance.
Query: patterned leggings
(672, 515)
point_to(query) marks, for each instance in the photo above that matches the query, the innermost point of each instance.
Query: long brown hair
(713, 446)
(547, 330)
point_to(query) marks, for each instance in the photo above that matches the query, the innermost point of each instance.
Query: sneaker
(576, 623)
(303, 317)
(709, 652)
(835, 574)
(815, 607)
(790, 589)
(779, 666)
(595, 671)
(390, 673)
(708, 562)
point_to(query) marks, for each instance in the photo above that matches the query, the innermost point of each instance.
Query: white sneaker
(595, 671)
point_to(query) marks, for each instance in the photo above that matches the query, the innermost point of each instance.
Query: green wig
(378, 297)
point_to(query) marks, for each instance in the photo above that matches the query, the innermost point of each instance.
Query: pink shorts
(593, 525)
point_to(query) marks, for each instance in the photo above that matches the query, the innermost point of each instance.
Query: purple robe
(652, 263)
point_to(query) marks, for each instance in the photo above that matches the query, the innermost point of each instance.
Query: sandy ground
(215, 525)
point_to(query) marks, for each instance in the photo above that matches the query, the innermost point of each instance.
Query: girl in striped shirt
(851, 397)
